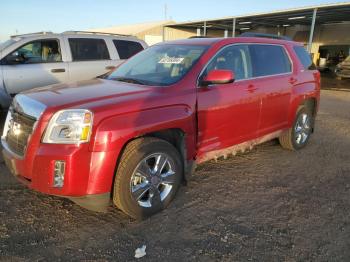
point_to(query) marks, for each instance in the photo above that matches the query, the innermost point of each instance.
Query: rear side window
(304, 57)
(127, 49)
(269, 60)
(84, 49)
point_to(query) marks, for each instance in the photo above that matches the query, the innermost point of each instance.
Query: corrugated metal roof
(335, 12)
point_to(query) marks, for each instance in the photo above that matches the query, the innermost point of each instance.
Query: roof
(132, 28)
(194, 41)
(327, 13)
(68, 33)
(210, 41)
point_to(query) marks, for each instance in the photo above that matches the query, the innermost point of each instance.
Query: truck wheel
(298, 135)
(148, 176)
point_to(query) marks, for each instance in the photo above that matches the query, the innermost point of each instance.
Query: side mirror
(15, 58)
(218, 76)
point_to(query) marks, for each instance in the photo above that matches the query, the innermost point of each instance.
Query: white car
(45, 58)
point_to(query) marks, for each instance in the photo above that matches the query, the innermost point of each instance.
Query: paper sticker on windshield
(171, 60)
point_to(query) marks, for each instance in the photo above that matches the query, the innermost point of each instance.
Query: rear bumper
(88, 175)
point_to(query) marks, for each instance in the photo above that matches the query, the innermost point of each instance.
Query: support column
(198, 32)
(234, 27)
(311, 36)
(205, 29)
(226, 33)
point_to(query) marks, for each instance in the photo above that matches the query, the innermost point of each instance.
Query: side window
(127, 49)
(269, 60)
(40, 51)
(235, 58)
(304, 57)
(85, 49)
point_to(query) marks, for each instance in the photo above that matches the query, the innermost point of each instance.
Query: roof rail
(199, 36)
(29, 34)
(251, 34)
(94, 33)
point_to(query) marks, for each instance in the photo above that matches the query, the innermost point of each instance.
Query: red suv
(134, 135)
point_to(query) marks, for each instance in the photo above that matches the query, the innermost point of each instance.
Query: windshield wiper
(129, 80)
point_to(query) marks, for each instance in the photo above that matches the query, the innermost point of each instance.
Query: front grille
(19, 128)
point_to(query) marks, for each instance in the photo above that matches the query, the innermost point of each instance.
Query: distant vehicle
(45, 58)
(135, 135)
(343, 69)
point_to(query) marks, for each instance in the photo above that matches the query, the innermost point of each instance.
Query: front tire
(148, 176)
(299, 134)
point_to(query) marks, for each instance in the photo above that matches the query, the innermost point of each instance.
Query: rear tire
(298, 135)
(148, 176)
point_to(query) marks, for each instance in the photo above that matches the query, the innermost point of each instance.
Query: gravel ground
(265, 205)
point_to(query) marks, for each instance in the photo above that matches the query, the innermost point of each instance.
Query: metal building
(150, 32)
(324, 29)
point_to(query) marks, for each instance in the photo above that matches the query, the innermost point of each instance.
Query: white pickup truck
(45, 58)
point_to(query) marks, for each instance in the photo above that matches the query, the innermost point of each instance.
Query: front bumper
(88, 175)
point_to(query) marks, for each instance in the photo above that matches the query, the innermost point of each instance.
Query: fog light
(58, 173)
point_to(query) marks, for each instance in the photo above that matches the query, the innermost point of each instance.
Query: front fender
(115, 131)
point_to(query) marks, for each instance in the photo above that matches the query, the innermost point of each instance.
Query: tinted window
(304, 57)
(269, 60)
(159, 65)
(41, 51)
(88, 49)
(235, 58)
(127, 49)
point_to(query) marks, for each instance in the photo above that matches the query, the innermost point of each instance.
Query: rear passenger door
(90, 58)
(272, 73)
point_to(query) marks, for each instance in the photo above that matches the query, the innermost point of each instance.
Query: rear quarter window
(85, 49)
(126, 48)
(269, 60)
(304, 57)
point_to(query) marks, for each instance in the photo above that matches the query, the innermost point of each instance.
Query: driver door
(228, 114)
(35, 64)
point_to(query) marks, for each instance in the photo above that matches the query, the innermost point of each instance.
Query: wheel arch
(308, 101)
(176, 137)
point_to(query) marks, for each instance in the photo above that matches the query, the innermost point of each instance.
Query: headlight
(71, 126)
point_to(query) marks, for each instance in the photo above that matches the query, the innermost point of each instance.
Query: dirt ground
(265, 205)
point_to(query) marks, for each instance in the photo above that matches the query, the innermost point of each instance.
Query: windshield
(159, 65)
(6, 43)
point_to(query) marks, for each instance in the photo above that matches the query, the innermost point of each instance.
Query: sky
(27, 16)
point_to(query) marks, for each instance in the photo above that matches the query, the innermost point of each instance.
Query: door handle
(251, 88)
(58, 70)
(293, 80)
(110, 67)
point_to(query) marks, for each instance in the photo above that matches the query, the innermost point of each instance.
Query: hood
(87, 94)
